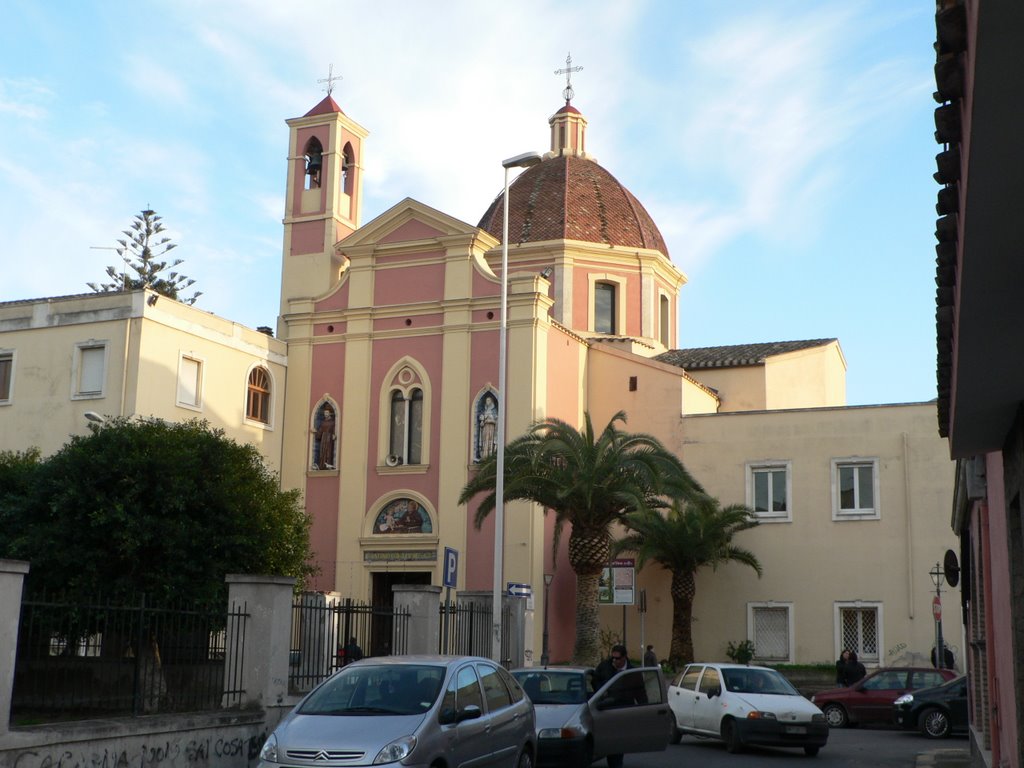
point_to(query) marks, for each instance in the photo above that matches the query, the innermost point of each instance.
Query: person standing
(855, 671)
(650, 657)
(841, 665)
(605, 671)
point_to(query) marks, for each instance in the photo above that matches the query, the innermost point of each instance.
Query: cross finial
(330, 79)
(569, 69)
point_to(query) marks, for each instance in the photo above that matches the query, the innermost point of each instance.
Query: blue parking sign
(450, 567)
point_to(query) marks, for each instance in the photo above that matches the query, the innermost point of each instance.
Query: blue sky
(784, 149)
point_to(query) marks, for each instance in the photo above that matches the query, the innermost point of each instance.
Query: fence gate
(323, 624)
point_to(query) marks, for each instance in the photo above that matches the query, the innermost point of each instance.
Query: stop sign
(936, 608)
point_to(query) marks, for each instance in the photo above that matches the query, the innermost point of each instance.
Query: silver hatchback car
(414, 710)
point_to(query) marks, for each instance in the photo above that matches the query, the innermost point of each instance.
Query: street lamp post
(524, 160)
(544, 657)
(937, 575)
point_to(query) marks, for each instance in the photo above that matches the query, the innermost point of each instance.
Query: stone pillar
(12, 578)
(512, 630)
(423, 603)
(263, 663)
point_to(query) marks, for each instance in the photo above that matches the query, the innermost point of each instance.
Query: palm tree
(589, 481)
(695, 533)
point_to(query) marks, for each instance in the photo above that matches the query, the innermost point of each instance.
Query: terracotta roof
(572, 198)
(734, 355)
(325, 107)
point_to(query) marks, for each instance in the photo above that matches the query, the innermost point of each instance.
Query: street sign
(450, 567)
(519, 590)
(937, 608)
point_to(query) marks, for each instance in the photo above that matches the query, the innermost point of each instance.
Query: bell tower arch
(323, 199)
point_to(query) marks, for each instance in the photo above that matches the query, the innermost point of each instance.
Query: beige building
(68, 359)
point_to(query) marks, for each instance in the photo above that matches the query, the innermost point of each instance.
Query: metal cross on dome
(569, 69)
(330, 79)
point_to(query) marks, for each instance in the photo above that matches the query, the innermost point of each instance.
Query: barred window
(770, 631)
(860, 630)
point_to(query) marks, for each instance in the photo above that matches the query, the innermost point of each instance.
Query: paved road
(846, 748)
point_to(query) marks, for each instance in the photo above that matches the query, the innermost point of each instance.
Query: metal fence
(323, 625)
(78, 660)
(467, 629)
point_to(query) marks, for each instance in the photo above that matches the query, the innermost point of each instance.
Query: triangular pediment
(408, 221)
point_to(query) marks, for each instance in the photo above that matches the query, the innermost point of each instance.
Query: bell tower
(323, 198)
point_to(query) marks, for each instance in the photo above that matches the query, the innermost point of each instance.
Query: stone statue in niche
(487, 426)
(325, 439)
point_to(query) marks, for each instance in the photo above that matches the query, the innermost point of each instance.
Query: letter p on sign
(451, 567)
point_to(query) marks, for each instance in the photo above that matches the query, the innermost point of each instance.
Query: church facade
(392, 329)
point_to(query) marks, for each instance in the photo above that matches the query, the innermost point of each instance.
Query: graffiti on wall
(167, 754)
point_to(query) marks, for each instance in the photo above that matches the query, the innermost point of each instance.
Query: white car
(744, 705)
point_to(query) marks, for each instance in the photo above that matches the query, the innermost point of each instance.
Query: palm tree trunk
(587, 651)
(684, 588)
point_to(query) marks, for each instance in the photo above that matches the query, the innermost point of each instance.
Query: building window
(854, 488)
(6, 375)
(190, 382)
(859, 628)
(89, 371)
(604, 308)
(485, 422)
(406, 438)
(769, 491)
(664, 320)
(770, 628)
(314, 163)
(257, 404)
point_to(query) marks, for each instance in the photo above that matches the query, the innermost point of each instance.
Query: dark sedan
(937, 712)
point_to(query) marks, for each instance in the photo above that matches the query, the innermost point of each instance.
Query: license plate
(795, 729)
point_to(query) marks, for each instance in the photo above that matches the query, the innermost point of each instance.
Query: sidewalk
(944, 758)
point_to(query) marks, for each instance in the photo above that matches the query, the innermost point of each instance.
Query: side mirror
(716, 691)
(469, 712)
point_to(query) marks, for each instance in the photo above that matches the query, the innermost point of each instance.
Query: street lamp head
(94, 417)
(548, 578)
(937, 574)
(524, 160)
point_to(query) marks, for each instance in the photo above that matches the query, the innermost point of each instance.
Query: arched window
(347, 172)
(257, 404)
(485, 425)
(405, 444)
(314, 153)
(325, 437)
(604, 308)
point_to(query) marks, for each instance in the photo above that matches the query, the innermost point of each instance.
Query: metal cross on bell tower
(330, 79)
(568, 93)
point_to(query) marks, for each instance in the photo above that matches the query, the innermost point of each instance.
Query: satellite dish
(951, 568)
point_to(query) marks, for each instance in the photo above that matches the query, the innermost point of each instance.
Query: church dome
(569, 196)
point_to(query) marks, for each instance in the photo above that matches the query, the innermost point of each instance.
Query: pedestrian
(855, 671)
(650, 657)
(606, 670)
(351, 652)
(841, 663)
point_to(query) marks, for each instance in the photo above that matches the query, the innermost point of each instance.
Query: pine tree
(143, 251)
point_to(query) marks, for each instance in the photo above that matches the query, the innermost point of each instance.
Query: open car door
(631, 713)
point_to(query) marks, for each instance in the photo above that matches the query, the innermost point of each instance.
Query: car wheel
(676, 735)
(811, 751)
(934, 723)
(587, 758)
(731, 737)
(525, 759)
(835, 716)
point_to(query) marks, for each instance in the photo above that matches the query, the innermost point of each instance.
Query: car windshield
(385, 689)
(758, 681)
(554, 687)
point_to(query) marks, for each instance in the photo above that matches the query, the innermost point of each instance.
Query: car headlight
(906, 698)
(269, 752)
(399, 749)
(559, 733)
(758, 715)
(818, 718)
